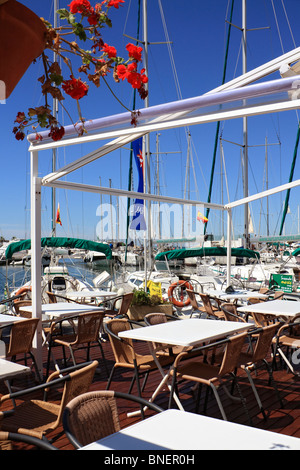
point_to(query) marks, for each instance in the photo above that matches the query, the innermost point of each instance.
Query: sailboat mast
(147, 145)
(55, 112)
(245, 129)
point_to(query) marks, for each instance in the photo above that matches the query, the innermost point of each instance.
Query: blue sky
(197, 31)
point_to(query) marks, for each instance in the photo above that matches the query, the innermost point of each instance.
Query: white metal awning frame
(163, 117)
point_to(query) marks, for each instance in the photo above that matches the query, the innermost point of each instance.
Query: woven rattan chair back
(264, 342)
(208, 306)
(88, 327)
(231, 354)
(230, 311)
(192, 297)
(278, 294)
(254, 300)
(122, 349)
(125, 304)
(95, 415)
(21, 336)
(80, 382)
(262, 320)
(155, 318)
(18, 308)
(52, 297)
(92, 416)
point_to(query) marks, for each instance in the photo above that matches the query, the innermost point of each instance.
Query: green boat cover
(296, 252)
(208, 251)
(60, 242)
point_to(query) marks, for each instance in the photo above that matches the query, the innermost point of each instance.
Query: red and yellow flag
(201, 217)
(58, 221)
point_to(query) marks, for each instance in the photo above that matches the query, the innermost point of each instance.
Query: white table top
(189, 332)
(63, 309)
(10, 369)
(285, 308)
(90, 293)
(175, 429)
(237, 294)
(6, 319)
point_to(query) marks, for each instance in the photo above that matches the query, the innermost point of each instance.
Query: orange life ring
(23, 289)
(179, 303)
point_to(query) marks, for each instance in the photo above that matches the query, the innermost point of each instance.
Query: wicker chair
(231, 313)
(18, 308)
(39, 418)
(122, 310)
(211, 311)
(286, 342)
(86, 333)
(8, 438)
(212, 376)
(196, 308)
(20, 339)
(249, 360)
(95, 415)
(125, 355)
(53, 298)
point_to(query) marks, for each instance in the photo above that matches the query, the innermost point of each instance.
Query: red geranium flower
(115, 3)
(20, 117)
(76, 88)
(122, 71)
(80, 6)
(93, 18)
(134, 51)
(56, 132)
(109, 50)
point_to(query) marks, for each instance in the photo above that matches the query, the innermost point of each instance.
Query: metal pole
(245, 131)
(54, 150)
(35, 188)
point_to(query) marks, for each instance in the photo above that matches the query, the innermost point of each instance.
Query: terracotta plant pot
(22, 39)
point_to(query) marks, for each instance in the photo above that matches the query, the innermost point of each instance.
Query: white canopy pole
(229, 222)
(36, 256)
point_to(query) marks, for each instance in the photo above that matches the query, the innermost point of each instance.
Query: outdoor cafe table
(188, 333)
(175, 429)
(8, 319)
(10, 369)
(62, 309)
(237, 294)
(92, 294)
(288, 310)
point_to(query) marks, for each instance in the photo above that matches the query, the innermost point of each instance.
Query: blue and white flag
(138, 219)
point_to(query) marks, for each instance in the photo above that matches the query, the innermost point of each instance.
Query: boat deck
(284, 420)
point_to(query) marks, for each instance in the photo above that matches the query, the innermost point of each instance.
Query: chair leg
(242, 399)
(145, 380)
(255, 393)
(110, 377)
(173, 386)
(132, 384)
(219, 402)
(103, 357)
(273, 382)
(35, 367)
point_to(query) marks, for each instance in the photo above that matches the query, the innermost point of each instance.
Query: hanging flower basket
(22, 39)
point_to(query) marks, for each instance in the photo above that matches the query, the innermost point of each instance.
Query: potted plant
(22, 40)
(143, 303)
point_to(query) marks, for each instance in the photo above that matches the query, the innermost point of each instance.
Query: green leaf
(64, 14)
(57, 79)
(79, 31)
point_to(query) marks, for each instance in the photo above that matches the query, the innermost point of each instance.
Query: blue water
(18, 275)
